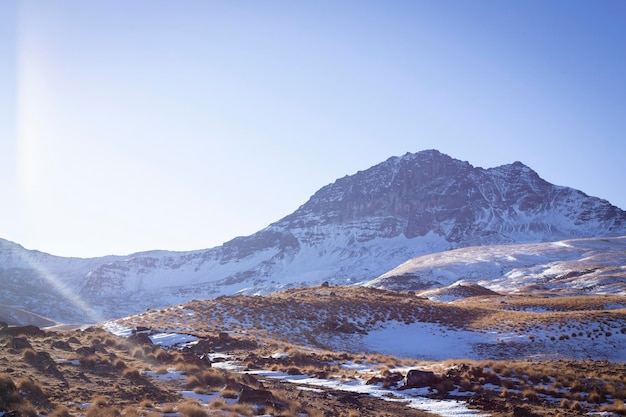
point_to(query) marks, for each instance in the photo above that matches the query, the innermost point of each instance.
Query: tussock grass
(9, 394)
(192, 409)
(100, 407)
(60, 411)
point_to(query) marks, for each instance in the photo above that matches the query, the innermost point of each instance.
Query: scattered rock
(523, 412)
(419, 379)
(198, 360)
(256, 396)
(350, 399)
(100, 348)
(387, 381)
(252, 381)
(59, 344)
(141, 329)
(20, 343)
(140, 339)
(85, 350)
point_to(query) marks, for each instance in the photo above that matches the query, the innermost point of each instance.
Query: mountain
(349, 232)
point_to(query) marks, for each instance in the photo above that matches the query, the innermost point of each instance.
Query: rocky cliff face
(350, 231)
(428, 192)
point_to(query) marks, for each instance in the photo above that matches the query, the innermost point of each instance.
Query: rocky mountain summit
(350, 231)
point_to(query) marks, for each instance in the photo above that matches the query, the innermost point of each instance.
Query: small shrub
(31, 388)
(131, 373)
(119, 364)
(99, 401)
(110, 341)
(190, 409)
(218, 404)
(131, 411)
(242, 409)
(293, 371)
(530, 394)
(26, 409)
(138, 352)
(575, 406)
(168, 408)
(595, 397)
(230, 393)
(146, 403)
(29, 355)
(88, 361)
(193, 382)
(162, 370)
(100, 408)
(162, 356)
(60, 411)
(8, 392)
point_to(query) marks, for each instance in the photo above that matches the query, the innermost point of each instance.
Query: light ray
(63, 289)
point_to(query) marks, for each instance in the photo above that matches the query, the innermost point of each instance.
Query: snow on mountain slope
(595, 266)
(360, 319)
(348, 232)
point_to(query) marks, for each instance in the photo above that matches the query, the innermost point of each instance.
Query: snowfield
(592, 266)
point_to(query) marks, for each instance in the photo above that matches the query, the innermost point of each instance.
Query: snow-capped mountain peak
(350, 231)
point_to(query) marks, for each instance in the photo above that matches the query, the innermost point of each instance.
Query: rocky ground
(200, 368)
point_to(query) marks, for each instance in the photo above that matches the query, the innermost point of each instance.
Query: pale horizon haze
(128, 126)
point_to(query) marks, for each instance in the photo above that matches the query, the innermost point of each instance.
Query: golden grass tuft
(100, 407)
(30, 388)
(60, 411)
(29, 355)
(191, 409)
(8, 392)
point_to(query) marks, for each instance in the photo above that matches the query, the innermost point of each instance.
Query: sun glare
(61, 288)
(31, 108)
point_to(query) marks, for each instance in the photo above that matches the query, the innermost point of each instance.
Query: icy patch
(319, 391)
(75, 362)
(412, 398)
(117, 329)
(204, 398)
(171, 375)
(172, 339)
(355, 366)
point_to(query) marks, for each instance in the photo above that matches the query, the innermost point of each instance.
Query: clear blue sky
(148, 124)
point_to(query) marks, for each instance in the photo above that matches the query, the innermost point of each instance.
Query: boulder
(140, 339)
(60, 344)
(20, 343)
(141, 329)
(419, 379)
(85, 351)
(256, 396)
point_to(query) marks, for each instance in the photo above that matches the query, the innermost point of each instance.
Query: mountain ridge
(348, 232)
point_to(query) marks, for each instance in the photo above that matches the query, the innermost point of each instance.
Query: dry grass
(192, 409)
(60, 411)
(302, 317)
